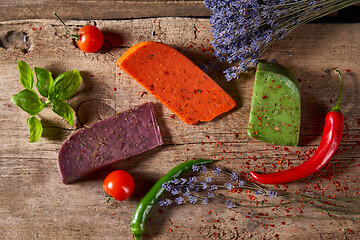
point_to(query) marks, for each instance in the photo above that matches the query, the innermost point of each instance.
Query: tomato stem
(77, 37)
(337, 106)
(108, 198)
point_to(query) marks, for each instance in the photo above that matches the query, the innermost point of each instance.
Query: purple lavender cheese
(118, 137)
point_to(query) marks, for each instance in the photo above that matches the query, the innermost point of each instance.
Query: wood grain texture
(34, 204)
(89, 10)
(125, 9)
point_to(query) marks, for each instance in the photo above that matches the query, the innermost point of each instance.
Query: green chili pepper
(149, 200)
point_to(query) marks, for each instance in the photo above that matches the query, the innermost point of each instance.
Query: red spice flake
(216, 235)
(347, 70)
(115, 88)
(161, 211)
(33, 29)
(143, 93)
(170, 230)
(264, 97)
(172, 116)
(279, 86)
(207, 136)
(282, 223)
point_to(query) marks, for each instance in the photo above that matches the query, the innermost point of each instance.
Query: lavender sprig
(243, 29)
(211, 191)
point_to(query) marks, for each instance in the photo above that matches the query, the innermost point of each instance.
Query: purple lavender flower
(229, 204)
(234, 177)
(175, 191)
(271, 194)
(193, 199)
(217, 171)
(204, 185)
(195, 168)
(228, 185)
(211, 195)
(175, 181)
(202, 169)
(166, 186)
(183, 180)
(243, 29)
(206, 201)
(212, 187)
(179, 200)
(164, 202)
(208, 179)
(193, 179)
(241, 183)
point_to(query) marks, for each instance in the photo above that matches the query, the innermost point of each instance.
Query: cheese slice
(108, 141)
(275, 108)
(175, 81)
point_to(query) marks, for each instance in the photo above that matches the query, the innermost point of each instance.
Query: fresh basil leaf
(26, 75)
(65, 85)
(35, 127)
(45, 82)
(28, 101)
(63, 109)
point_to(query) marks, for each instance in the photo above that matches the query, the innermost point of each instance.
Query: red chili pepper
(329, 143)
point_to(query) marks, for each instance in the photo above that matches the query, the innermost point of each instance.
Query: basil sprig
(55, 91)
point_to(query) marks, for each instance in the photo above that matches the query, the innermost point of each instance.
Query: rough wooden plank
(121, 9)
(13, 10)
(36, 205)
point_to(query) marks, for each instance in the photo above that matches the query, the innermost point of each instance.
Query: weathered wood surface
(100, 9)
(124, 9)
(34, 204)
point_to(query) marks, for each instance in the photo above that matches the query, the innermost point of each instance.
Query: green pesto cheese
(275, 108)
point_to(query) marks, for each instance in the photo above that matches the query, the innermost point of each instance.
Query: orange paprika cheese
(175, 81)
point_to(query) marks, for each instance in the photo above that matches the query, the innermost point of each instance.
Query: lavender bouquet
(243, 29)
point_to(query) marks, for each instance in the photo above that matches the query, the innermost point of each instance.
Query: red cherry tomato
(119, 184)
(90, 39)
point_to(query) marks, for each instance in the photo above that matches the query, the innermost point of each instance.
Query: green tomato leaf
(26, 75)
(65, 85)
(63, 109)
(45, 82)
(28, 101)
(36, 129)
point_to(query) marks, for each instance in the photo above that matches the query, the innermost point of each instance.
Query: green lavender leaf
(45, 81)
(35, 128)
(28, 101)
(63, 109)
(65, 85)
(26, 75)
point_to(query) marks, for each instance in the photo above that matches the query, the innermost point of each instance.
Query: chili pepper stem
(77, 37)
(337, 106)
